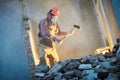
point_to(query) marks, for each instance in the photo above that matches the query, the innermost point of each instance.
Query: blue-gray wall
(13, 59)
(116, 8)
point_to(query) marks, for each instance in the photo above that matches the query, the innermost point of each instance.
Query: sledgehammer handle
(72, 31)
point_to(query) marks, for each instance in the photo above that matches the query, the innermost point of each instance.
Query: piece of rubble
(112, 76)
(85, 66)
(118, 74)
(112, 79)
(57, 78)
(106, 65)
(101, 58)
(57, 75)
(72, 65)
(94, 64)
(97, 67)
(77, 73)
(85, 60)
(113, 69)
(42, 68)
(90, 77)
(63, 79)
(108, 54)
(49, 77)
(118, 68)
(68, 74)
(74, 78)
(102, 74)
(87, 72)
(39, 74)
(113, 61)
(58, 66)
(66, 62)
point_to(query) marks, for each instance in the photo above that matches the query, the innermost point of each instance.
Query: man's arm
(59, 32)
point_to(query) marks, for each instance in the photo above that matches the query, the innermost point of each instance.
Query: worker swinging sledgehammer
(49, 32)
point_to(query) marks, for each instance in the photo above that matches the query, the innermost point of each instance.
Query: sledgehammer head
(76, 26)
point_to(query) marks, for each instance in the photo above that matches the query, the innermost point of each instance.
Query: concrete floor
(80, 12)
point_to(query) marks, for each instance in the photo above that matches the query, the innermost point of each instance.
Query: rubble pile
(92, 67)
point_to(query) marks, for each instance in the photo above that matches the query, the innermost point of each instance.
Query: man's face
(53, 18)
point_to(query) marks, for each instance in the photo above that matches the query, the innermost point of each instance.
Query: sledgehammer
(76, 26)
(72, 31)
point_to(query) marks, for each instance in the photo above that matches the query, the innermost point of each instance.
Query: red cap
(55, 11)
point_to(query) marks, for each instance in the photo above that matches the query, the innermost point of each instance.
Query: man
(48, 32)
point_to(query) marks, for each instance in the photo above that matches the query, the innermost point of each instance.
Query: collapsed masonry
(92, 67)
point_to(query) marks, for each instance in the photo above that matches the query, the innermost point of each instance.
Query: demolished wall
(92, 67)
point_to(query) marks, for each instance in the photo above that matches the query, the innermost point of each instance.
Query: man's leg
(48, 58)
(42, 54)
(51, 56)
(55, 55)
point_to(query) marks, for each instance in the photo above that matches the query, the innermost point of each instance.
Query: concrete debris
(93, 67)
(112, 76)
(42, 68)
(39, 74)
(108, 54)
(72, 65)
(84, 66)
(106, 65)
(87, 72)
(49, 77)
(102, 74)
(89, 77)
(58, 66)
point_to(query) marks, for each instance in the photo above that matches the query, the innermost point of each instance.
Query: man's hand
(58, 40)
